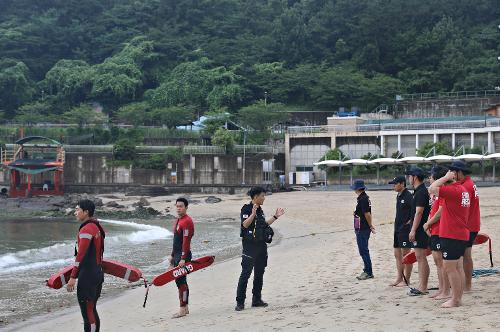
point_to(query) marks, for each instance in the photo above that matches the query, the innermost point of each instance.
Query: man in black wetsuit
(87, 267)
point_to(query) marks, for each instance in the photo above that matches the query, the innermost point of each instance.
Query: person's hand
(429, 232)
(411, 237)
(372, 228)
(254, 209)
(170, 262)
(426, 227)
(182, 263)
(279, 212)
(450, 176)
(71, 285)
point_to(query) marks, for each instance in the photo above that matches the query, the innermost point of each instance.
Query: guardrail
(449, 95)
(201, 149)
(274, 149)
(396, 126)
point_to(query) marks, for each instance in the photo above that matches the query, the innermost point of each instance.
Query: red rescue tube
(177, 272)
(411, 257)
(117, 269)
(481, 238)
(61, 278)
(121, 270)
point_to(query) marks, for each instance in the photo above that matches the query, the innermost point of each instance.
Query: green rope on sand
(484, 272)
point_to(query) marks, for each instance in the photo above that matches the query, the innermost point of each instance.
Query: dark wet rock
(212, 200)
(113, 204)
(142, 202)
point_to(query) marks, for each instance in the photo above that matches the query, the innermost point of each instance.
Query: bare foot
(182, 312)
(451, 304)
(442, 297)
(435, 295)
(397, 283)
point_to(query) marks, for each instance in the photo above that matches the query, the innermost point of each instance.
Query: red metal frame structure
(29, 164)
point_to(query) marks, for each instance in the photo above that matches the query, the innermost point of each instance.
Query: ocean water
(31, 250)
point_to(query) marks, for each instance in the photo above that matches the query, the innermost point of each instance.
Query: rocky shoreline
(107, 206)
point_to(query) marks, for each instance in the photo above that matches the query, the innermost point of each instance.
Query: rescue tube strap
(127, 274)
(85, 236)
(63, 280)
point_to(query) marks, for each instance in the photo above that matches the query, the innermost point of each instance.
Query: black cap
(459, 165)
(398, 179)
(438, 172)
(415, 171)
(358, 185)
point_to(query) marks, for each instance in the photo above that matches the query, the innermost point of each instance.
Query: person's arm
(279, 212)
(435, 218)
(434, 187)
(84, 240)
(187, 235)
(408, 206)
(248, 221)
(368, 216)
(365, 207)
(420, 201)
(419, 212)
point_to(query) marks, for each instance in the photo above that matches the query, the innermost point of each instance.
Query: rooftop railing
(396, 126)
(448, 95)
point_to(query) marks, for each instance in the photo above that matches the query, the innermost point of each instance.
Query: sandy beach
(310, 280)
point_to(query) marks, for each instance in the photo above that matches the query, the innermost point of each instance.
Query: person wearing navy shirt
(363, 227)
(254, 256)
(420, 214)
(402, 244)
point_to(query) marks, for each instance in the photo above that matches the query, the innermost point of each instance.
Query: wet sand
(310, 280)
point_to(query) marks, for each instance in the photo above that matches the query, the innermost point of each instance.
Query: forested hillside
(167, 61)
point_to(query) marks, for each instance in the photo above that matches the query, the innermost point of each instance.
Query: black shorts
(452, 249)
(403, 237)
(435, 243)
(421, 239)
(472, 238)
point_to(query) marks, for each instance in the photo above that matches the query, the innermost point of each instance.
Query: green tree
(16, 86)
(215, 120)
(133, 114)
(172, 116)
(124, 149)
(260, 116)
(440, 148)
(200, 84)
(70, 79)
(225, 139)
(83, 115)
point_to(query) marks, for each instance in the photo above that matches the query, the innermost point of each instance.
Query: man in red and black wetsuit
(87, 268)
(181, 252)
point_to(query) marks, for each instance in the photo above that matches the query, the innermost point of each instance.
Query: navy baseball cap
(358, 184)
(415, 171)
(398, 179)
(459, 165)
